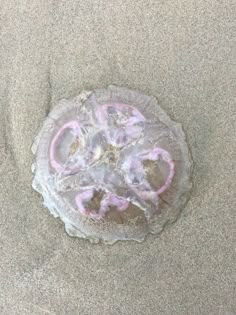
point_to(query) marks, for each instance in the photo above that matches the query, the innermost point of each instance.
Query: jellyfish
(112, 165)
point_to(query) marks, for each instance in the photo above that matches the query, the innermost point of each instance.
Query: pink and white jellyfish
(112, 165)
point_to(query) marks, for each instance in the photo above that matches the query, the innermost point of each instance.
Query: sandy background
(184, 53)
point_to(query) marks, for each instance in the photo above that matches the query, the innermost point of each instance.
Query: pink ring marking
(120, 203)
(126, 128)
(154, 155)
(110, 200)
(54, 163)
(101, 114)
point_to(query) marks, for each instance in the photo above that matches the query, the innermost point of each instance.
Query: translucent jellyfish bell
(112, 165)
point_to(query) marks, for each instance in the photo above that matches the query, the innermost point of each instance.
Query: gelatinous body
(112, 165)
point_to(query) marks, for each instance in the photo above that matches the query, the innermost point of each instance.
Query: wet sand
(182, 52)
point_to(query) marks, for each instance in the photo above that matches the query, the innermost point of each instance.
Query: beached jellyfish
(112, 165)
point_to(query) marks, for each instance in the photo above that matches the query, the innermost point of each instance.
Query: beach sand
(183, 53)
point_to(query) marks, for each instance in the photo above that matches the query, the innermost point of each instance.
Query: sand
(182, 52)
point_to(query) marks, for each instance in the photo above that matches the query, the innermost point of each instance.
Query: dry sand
(184, 53)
